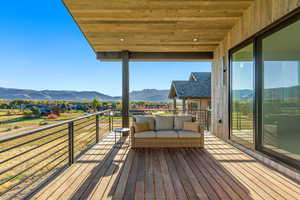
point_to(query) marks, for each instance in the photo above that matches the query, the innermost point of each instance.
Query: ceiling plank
(156, 25)
(142, 4)
(162, 15)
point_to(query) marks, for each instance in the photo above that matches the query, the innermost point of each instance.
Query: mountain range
(65, 95)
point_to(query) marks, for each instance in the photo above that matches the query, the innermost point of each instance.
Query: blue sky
(42, 48)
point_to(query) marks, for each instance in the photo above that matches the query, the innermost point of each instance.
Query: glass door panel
(242, 96)
(281, 92)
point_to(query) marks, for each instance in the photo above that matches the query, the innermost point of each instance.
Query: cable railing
(30, 159)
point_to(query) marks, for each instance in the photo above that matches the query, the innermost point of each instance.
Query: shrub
(36, 111)
(27, 113)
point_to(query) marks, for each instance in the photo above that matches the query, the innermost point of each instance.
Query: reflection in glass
(281, 92)
(242, 94)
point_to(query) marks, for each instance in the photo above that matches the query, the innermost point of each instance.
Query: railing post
(71, 142)
(109, 122)
(97, 128)
(112, 122)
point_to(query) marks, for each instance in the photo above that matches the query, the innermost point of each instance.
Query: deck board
(220, 171)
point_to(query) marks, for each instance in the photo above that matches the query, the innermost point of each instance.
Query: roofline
(193, 75)
(82, 32)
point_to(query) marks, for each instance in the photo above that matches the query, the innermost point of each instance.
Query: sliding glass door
(265, 92)
(281, 92)
(242, 95)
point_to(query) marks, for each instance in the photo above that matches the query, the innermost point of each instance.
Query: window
(242, 96)
(281, 92)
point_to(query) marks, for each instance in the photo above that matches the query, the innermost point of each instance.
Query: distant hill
(53, 95)
(150, 95)
(62, 95)
(243, 95)
(291, 92)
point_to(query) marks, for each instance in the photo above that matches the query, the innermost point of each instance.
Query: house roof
(200, 76)
(198, 87)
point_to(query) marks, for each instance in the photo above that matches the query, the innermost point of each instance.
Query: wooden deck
(219, 171)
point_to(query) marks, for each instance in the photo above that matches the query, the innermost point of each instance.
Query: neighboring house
(45, 110)
(194, 93)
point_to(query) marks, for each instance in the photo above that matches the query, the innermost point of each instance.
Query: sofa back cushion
(146, 119)
(141, 127)
(164, 122)
(180, 119)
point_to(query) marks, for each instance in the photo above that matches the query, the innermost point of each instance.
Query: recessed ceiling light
(122, 39)
(195, 39)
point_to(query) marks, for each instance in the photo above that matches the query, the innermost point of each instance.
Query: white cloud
(7, 81)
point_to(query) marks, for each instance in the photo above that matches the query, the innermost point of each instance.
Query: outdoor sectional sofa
(167, 131)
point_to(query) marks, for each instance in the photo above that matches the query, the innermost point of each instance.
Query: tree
(36, 111)
(113, 106)
(96, 104)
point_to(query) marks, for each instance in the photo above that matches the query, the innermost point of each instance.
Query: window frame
(257, 39)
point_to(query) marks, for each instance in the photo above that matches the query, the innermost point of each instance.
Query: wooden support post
(125, 89)
(174, 106)
(183, 106)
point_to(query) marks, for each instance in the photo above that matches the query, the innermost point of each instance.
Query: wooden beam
(156, 56)
(125, 89)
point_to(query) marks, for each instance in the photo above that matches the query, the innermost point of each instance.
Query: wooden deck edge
(277, 165)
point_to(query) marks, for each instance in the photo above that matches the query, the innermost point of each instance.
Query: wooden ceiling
(156, 25)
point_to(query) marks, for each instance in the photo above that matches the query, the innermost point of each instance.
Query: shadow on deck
(219, 171)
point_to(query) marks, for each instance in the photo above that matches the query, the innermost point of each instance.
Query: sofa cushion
(191, 126)
(140, 127)
(189, 134)
(164, 122)
(180, 119)
(149, 119)
(167, 134)
(145, 134)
